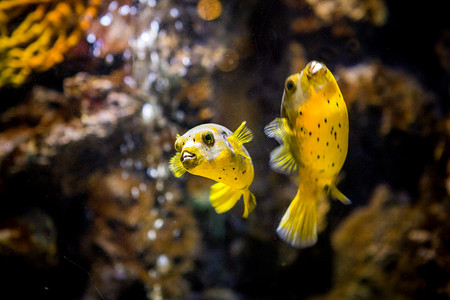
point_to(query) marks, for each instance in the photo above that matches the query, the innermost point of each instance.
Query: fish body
(213, 151)
(313, 133)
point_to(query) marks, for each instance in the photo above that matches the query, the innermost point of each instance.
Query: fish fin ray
(276, 130)
(249, 203)
(282, 160)
(337, 194)
(223, 197)
(175, 165)
(242, 134)
(298, 227)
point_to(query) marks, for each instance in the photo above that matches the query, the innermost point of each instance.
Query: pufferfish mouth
(186, 155)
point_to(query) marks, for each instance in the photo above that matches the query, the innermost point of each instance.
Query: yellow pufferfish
(213, 151)
(313, 133)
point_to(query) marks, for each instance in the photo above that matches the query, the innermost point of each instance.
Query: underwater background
(93, 94)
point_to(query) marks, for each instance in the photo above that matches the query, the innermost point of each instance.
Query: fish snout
(186, 155)
(315, 67)
(189, 159)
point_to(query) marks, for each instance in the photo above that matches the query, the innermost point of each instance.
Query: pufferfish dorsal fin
(241, 136)
(175, 165)
(281, 159)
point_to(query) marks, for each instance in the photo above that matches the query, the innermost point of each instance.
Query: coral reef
(393, 249)
(35, 35)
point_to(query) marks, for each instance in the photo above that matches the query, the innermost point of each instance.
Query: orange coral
(35, 34)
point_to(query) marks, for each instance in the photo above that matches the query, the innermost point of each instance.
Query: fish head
(300, 87)
(200, 146)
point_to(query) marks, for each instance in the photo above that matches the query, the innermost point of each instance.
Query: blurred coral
(35, 34)
(144, 237)
(391, 240)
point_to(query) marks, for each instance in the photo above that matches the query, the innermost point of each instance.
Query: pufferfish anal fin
(175, 165)
(241, 136)
(298, 227)
(249, 203)
(337, 194)
(281, 159)
(223, 197)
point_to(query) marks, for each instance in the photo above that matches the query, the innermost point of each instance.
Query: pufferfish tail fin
(298, 227)
(337, 194)
(223, 198)
(281, 159)
(175, 165)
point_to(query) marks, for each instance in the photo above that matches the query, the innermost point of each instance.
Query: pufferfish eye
(208, 138)
(290, 85)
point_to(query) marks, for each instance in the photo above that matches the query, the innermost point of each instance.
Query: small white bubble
(154, 25)
(163, 264)
(125, 175)
(169, 196)
(142, 186)
(178, 25)
(109, 58)
(91, 38)
(148, 112)
(106, 20)
(186, 61)
(124, 10)
(113, 5)
(133, 10)
(135, 192)
(158, 223)
(127, 54)
(130, 82)
(96, 52)
(174, 12)
(151, 234)
(151, 3)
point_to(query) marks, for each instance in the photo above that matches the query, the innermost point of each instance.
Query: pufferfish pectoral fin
(281, 159)
(223, 197)
(175, 165)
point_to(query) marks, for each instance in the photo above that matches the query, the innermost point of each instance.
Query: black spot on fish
(235, 178)
(243, 172)
(327, 143)
(332, 164)
(301, 128)
(318, 156)
(194, 140)
(317, 179)
(318, 125)
(220, 177)
(234, 168)
(339, 125)
(339, 95)
(338, 146)
(317, 139)
(300, 113)
(337, 104)
(328, 100)
(310, 133)
(223, 169)
(335, 135)
(325, 120)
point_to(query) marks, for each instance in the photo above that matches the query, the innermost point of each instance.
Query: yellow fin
(175, 165)
(337, 194)
(249, 203)
(298, 227)
(281, 159)
(242, 135)
(223, 197)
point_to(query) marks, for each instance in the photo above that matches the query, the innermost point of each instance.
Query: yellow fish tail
(249, 203)
(223, 197)
(298, 227)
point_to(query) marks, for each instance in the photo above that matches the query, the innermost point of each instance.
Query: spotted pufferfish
(213, 151)
(313, 133)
